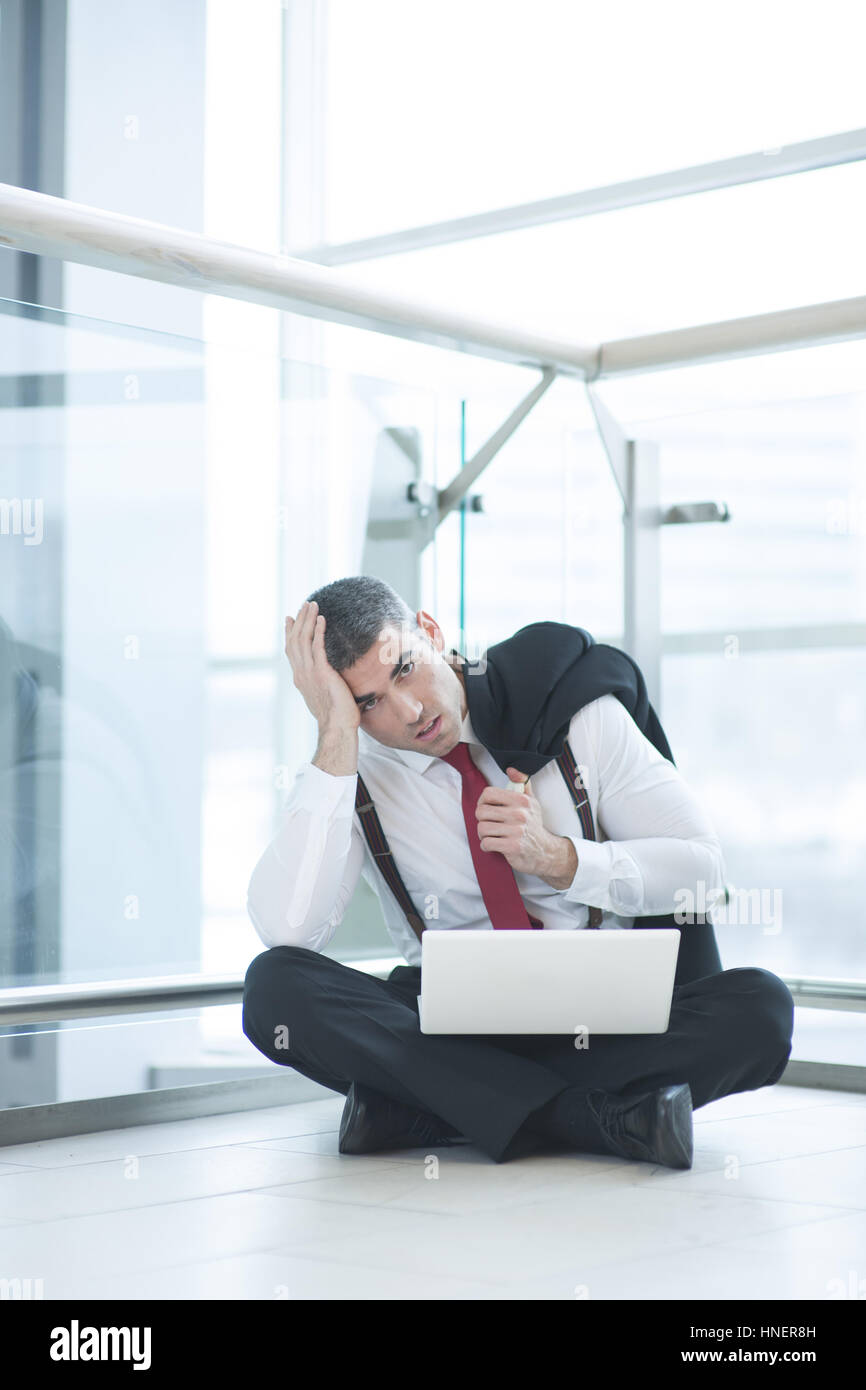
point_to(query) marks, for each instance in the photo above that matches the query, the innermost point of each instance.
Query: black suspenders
(381, 852)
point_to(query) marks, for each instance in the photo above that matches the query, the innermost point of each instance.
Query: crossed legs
(728, 1032)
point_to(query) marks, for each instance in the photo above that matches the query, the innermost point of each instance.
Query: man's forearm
(563, 863)
(337, 751)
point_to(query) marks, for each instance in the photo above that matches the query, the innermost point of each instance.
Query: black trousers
(729, 1031)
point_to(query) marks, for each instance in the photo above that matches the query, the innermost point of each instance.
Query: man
(392, 707)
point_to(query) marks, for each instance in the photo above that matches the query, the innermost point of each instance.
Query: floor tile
(842, 1235)
(434, 1181)
(153, 1179)
(772, 1098)
(88, 1248)
(327, 1142)
(723, 1271)
(277, 1278)
(597, 1225)
(836, 1178)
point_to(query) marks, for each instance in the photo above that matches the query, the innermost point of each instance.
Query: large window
(178, 470)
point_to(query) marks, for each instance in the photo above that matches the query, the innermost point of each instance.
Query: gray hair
(356, 610)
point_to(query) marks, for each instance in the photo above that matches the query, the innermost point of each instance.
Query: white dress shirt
(654, 839)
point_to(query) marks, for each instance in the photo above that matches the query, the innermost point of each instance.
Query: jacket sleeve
(304, 881)
(661, 850)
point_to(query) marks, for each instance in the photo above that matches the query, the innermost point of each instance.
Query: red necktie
(505, 907)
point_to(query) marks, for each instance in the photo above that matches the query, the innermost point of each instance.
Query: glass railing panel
(773, 744)
(165, 502)
(547, 542)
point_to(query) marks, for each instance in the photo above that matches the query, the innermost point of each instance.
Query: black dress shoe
(656, 1127)
(372, 1122)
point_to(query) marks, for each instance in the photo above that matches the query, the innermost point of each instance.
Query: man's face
(406, 683)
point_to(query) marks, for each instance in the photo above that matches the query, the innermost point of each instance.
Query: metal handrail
(57, 1003)
(802, 157)
(810, 325)
(48, 226)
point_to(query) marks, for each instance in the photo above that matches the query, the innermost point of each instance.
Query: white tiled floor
(260, 1205)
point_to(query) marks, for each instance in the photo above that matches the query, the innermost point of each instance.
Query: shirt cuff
(591, 883)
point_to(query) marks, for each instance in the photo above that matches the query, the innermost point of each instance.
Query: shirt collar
(419, 762)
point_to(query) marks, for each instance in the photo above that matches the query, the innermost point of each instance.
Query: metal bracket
(424, 494)
(634, 464)
(689, 512)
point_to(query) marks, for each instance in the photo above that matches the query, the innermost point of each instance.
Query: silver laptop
(565, 982)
